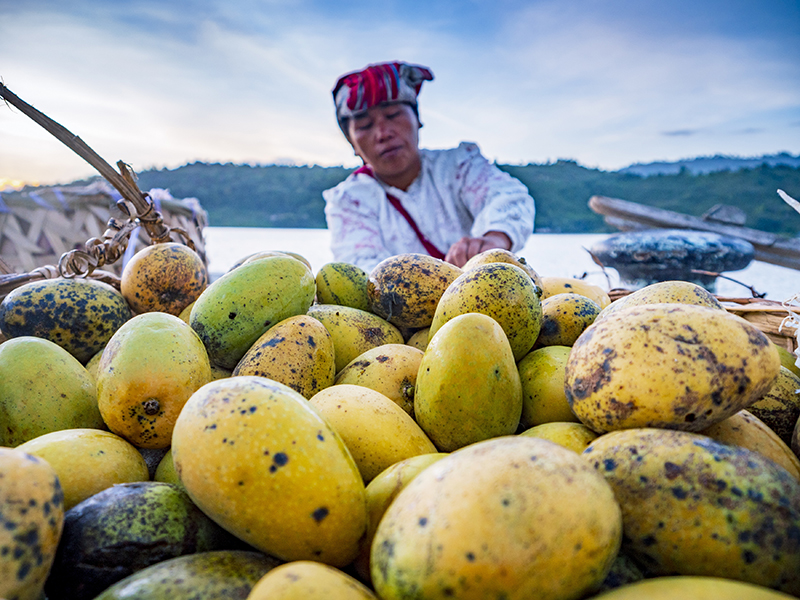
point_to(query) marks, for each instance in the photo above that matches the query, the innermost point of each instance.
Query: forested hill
(289, 196)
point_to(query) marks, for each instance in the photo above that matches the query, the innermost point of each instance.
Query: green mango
(80, 315)
(124, 529)
(43, 388)
(344, 284)
(217, 575)
(236, 309)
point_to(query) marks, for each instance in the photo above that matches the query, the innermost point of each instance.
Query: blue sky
(605, 82)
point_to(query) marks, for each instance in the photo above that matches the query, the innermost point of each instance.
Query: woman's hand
(467, 247)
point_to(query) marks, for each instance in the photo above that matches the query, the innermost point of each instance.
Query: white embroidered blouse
(457, 193)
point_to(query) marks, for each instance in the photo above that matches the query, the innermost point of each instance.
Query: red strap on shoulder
(395, 201)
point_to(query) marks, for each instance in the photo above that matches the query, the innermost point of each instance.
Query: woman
(451, 204)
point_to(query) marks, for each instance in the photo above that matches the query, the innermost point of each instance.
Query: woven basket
(38, 226)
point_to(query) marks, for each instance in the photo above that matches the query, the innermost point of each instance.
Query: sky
(607, 83)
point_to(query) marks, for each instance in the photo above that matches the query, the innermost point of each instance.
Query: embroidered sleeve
(351, 211)
(497, 201)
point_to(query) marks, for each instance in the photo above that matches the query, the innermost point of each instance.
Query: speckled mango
(239, 307)
(542, 373)
(564, 285)
(376, 431)
(468, 387)
(574, 436)
(564, 318)
(309, 580)
(404, 289)
(214, 575)
(43, 388)
(505, 518)
(779, 408)
(354, 331)
(692, 587)
(297, 352)
(676, 366)
(31, 520)
(381, 491)
(390, 369)
(165, 277)
(419, 339)
(87, 461)
(257, 458)
(147, 372)
(693, 506)
(677, 292)
(503, 256)
(80, 315)
(748, 431)
(343, 284)
(124, 529)
(502, 291)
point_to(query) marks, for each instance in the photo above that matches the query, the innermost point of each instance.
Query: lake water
(563, 255)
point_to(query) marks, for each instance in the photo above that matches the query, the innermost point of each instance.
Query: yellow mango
(43, 388)
(297, 352)
(376, 431)
(504, 256)
(676, 366)
(404, 289)
(343, 284)
(564, 285)
(309, 580)
(779, 408)
(504, 518)
(87, 461)
(468, 387)
(542, 374)
(693, 506)
(259, 459)
(353, 331)
(419, 339)
(390, 369)
(502, 291)
(564, 318)
(692, 587)
(166, 471)
(147, 372)
(669, 292)
(574, 436)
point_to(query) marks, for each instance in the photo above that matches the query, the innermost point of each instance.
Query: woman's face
(386, 137)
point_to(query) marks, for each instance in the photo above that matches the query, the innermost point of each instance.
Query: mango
(381, 491)
(419, 339)
(669, 292)
(376, 431)
(32, 404)
(564, 318)
(748, 431)
(32, 517)
(501, 291)
(564, 285)
(504, 518)
(165, 471)
(87, 461)
(236, 309)
(693, 506)
(623, 571)
(165, 277)
(542, 374)
(404, 289)
(468, 387)
(80, 315)
(694, 587)
(343, 284)
(147, 372)
(353, 331)
(788, 360)
(779, 408)
(573, 436)
(213, 575)
(503, 256)
(390, 369)
(297, 352)
(309, 580)
(257, 458)
(676, 366)
(124, 529)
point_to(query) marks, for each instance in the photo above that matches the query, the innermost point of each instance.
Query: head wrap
(355, 92)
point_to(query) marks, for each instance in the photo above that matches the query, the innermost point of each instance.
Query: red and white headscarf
(355, 92)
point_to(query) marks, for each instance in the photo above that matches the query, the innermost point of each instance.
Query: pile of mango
(421, 431)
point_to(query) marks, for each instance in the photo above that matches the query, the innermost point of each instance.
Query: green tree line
(291, 196)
